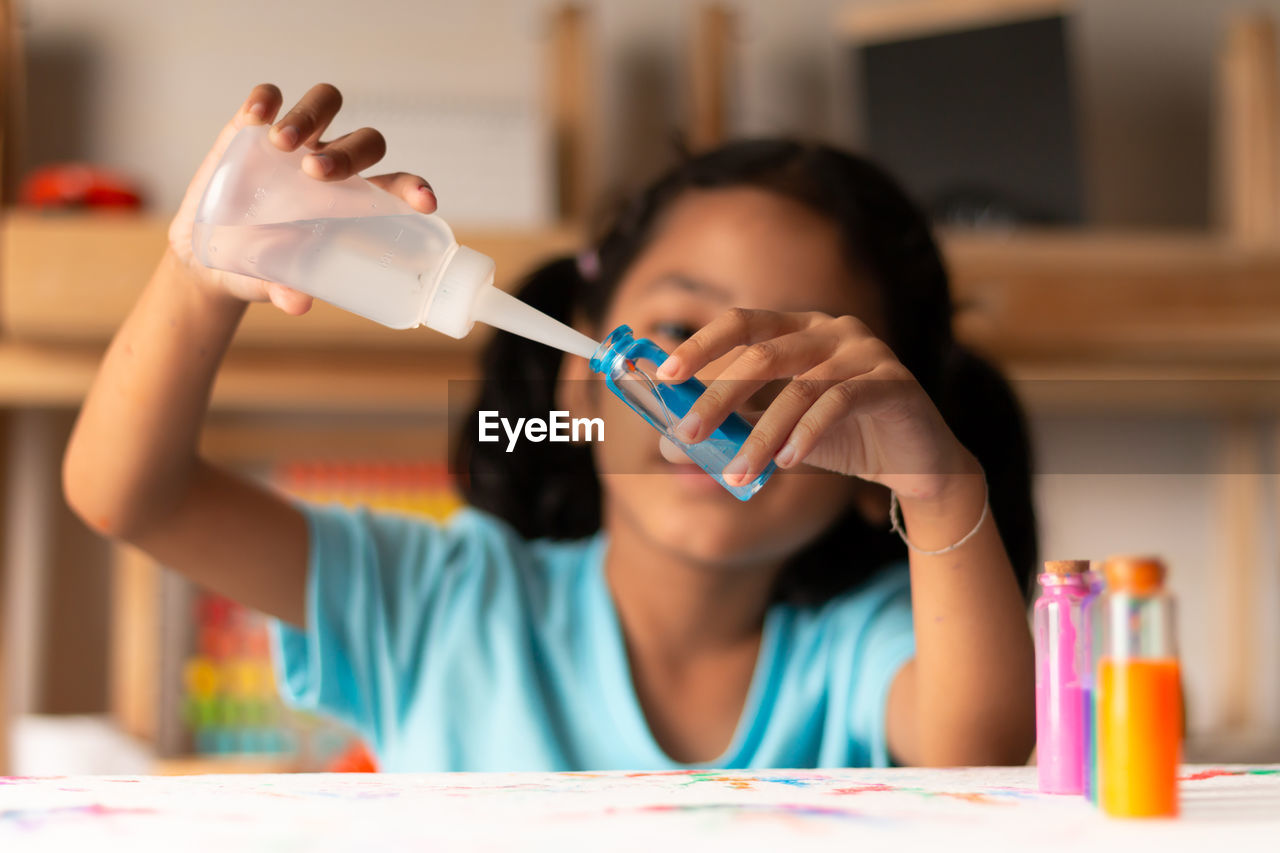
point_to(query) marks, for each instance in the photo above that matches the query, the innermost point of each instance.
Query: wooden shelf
(255, 380)
(1097, 300)
(903, 19)
(1068, 304)
(71, 278)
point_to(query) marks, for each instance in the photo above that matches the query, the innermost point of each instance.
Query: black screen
(978, 124)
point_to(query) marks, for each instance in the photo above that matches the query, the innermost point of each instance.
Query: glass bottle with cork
(1061, 664)
(1139, 701)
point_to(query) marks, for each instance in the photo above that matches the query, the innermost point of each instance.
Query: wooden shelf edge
(1083, 301)
(906, 19)
(74, 277)
(52, 376)
(389, 384)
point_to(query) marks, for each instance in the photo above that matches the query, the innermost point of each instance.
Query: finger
(288, 300)
(261, 106)
(869, 394)
(345, 156)
(768, 437)
(412, 188)
(814, 402)
(736, 327)
(671, 452)
(303, 124)
(755, 366)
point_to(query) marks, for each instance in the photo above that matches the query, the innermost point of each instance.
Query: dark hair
(554, 492)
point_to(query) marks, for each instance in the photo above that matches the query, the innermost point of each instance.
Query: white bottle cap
(450, 307)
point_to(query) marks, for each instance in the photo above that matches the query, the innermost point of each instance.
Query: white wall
(156, 78)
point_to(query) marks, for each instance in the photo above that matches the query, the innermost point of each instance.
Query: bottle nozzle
(501, 309)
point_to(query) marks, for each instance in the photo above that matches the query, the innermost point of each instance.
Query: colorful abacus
(230, 704)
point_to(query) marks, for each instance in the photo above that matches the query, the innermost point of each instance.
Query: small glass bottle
(1060, 663)
(1094, 581)
(627, 365)
(1139, 697)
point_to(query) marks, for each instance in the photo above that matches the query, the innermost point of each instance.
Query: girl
(602, 606)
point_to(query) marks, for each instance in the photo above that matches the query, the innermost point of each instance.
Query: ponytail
(552, 492)
(983, 413)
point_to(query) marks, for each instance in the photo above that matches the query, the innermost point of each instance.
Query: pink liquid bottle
(1061, 665)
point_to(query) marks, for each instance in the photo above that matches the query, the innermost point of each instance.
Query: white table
(1225, 809)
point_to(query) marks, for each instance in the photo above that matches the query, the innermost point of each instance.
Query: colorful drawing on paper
(953, 810)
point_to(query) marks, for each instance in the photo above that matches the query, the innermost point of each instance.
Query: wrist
(950, 511)
(195, 284)
(962, 482)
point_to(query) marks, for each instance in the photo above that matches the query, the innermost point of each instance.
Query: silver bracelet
(895, 523)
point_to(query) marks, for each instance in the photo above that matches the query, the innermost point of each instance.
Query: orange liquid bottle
(1139, 703)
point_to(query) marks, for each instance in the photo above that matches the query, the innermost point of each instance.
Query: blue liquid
(715, 453)
(664, 405)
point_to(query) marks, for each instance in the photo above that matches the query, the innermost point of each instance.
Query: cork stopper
(1134, 574)
(1066, 567)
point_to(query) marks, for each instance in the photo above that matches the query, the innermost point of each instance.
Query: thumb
(288, 300)
(671, 452)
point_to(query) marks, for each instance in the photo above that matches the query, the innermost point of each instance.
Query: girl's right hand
(330, 161)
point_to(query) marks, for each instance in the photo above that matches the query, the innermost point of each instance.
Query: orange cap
(1066, 567)
(1141, 575)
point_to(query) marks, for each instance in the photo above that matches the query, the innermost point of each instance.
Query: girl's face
(713, 250)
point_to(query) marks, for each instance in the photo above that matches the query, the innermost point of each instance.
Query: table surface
(1223, 809)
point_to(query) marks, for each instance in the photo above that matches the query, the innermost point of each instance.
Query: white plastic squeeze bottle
(354, 246)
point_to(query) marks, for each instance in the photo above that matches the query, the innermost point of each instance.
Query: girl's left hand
(850, 405)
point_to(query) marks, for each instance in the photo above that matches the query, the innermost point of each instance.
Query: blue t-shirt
(462, 646)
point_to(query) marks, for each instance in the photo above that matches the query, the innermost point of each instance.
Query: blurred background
(1105, 175)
